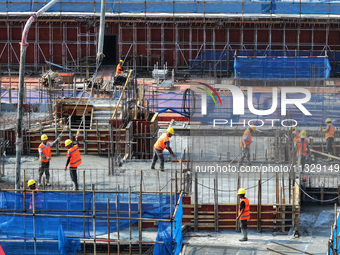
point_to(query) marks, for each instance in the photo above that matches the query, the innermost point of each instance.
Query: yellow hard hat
(121, 61)
(30, 182)
(68, 142)
(44, 137)
(171, 130)
(253, 127)
(303, 133)
(328, 120)
(241, 191)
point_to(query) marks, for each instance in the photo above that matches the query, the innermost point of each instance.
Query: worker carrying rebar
(73, 161)
(38, 204)
(162, 143)
(45, 156)
(243, 213)
(296, 135)
(302, 148)
(329, 136)
(245, 143)
(119, 68)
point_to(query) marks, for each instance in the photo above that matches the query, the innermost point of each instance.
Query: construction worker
(329, 136)
(245, 143)
(162, 143)
(302, 148)
(243, 213)
(296, 135)
(73, 161)
(119, 68)
(38, 205)
(45, 156)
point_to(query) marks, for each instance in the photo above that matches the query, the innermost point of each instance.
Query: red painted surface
(2, 251)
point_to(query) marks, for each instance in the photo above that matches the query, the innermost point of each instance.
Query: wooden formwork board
(270, 216)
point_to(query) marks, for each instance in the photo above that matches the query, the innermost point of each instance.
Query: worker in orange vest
(296, 135)
(302, 148)
(119, 68)
(38, 205)
(243, 213)
(329, 136)
(73, 161)
(245, 143)
(45, 156)
(162, 143)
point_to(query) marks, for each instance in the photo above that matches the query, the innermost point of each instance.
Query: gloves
(59, 137)
(43, 156)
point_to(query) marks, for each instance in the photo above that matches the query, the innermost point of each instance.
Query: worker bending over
(245, 143)
(73, 161)
(329, 136)
(162, 143)
(45, 155)
(302, 148)
(243, 213)
(119, 68)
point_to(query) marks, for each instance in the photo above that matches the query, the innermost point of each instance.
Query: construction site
(169, 127)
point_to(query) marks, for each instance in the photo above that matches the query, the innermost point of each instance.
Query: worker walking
(243, 213)
(329, 136)
(245, 143)
(73, 161)
(302, 148)
(119, 68)
(45, 156)
(162, 143)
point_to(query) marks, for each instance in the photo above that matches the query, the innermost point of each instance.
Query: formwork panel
(263, 35)
(305, 36)
(141, 34)
(156, 34)
(30, 54)
(277, 36)
(71, 34)
(16, 31)
(320, 36)
(248, 36)
(44, 34)
(220, 35)
(291, 36)
(57, 54)
(57, 32)
(169, 35)
(234, 35)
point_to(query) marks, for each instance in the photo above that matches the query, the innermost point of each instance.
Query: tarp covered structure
(59, 216)
(282, 67)
(269, 7)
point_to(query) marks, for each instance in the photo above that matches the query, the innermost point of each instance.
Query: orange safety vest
(119, 69)
(160, 144)
(248, 141)
(330, 132)
(296, 135)
(37, 201)
(46, 150)
(246, 213)
(302, 146)
(75, 160)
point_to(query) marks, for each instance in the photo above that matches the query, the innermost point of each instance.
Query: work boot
(244, 235)
(153, 165)
(76, 186)
(161, 167)
(48, 182)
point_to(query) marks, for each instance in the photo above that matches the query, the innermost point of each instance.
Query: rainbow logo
(208, 92)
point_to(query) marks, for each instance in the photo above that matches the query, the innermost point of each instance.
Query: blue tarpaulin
(59, 232)
(307, 7)
(282, 67)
